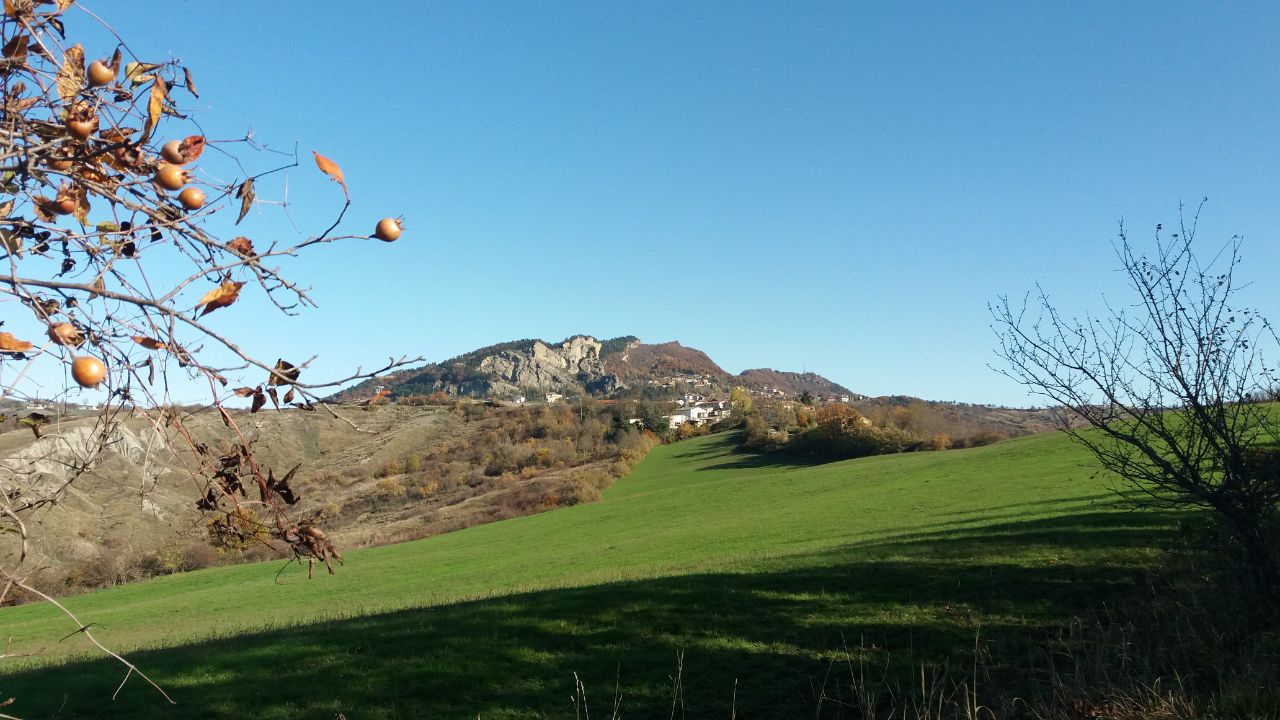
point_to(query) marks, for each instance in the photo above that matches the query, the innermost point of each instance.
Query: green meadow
(708, 583)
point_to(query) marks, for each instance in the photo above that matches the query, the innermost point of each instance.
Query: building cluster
(700, 413)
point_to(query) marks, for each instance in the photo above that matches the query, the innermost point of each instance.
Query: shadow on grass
(743, 459)
(774, 635)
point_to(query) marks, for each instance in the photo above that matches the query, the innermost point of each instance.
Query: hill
(735, 584)
(582, 365)
(641, 362)
(377, 475)
(519, 368)
(793, 384)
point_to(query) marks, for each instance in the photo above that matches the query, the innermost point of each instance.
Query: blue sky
(841, 187)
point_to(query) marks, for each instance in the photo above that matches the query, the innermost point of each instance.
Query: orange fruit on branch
(88, 371)
(170, 177)
(192, 198)
(100, 73)
(388, 229)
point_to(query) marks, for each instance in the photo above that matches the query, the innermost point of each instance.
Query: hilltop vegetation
(716, 581)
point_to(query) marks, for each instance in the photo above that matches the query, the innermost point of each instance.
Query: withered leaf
(271, 393)
(155, 106)
(219, 297)
(209, 502)
(242, 245)
(81, 197)
(117, 134)
(281, 486)
(6, 208)
(45, 209)
(115, 62)
(288, 397)
(136, 72)
(244, 391)
(226, 419)
(151, 372)
(149, 343)
(191, 84)
(9, 343)
(259, 399)
(330, 168)
(18, 107)
(70, 79)
(16, 49)
(62, 5)
(284, 373)
(247, 196)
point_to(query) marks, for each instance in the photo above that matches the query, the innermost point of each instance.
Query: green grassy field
(760, 575)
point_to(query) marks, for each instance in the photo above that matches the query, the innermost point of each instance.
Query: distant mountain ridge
(581, 364)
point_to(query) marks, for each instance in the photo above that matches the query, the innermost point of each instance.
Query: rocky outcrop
(519, 367)
(576, 361)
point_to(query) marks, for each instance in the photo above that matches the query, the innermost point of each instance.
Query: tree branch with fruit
(111, 261)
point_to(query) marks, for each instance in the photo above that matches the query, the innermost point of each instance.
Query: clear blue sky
(841, 187)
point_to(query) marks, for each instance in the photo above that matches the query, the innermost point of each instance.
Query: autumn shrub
(388, 467)
(388, 488)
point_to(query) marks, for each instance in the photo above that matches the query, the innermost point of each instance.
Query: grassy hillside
(756, 573)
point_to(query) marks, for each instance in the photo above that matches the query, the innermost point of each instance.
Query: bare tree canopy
(1172, 388)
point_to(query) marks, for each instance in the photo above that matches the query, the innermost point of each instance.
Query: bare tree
(110, 249)
(1171, 387)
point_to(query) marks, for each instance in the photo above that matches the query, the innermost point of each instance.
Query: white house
(701, 413)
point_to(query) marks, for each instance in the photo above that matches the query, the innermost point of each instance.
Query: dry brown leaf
(330, 168)
(70, 80)
(9, 343)
(115, 62)
(244, 391)
(242, 245)
(219, 297)
(16, 49)
(247, 196)
(191, 84)
(6, 208)
(117, 135)
(62, 5)
(149, 343)
(284, 373)
(155, 107)
(258, 401)
(288, 397)
(45, 209)
(81, 197)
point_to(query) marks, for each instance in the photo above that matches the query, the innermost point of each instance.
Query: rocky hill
(634, 361)
(792, 383)
(582, 365)
(523, 367)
